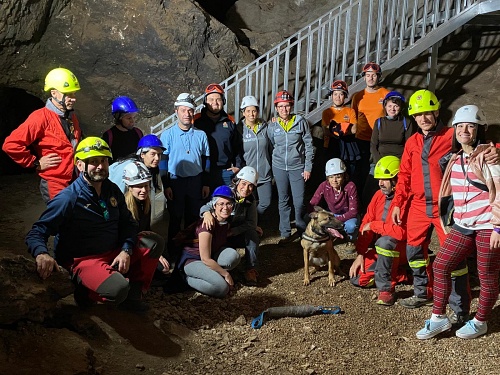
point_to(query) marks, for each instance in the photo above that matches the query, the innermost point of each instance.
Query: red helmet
(214, 88)
(339, 85)
(372, 66)
(283, 97)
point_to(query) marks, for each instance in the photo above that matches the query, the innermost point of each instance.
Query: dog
(317, 243)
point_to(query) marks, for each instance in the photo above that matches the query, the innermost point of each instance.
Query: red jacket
(43, 133)
(420, 172)
(379, 227)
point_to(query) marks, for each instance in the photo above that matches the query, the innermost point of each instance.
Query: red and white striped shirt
(472, 205)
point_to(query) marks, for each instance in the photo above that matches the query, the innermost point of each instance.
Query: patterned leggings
(456, 248)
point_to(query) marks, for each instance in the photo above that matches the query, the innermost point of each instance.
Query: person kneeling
(96, 236)
(205, 259)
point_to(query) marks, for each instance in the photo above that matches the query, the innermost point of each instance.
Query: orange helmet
(283, 97)
(339, 85)
(214, 88)
(372, 66)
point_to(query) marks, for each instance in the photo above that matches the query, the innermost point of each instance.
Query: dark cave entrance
(15, 106)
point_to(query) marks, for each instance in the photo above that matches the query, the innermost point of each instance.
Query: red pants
(105, 283)
(455, 249)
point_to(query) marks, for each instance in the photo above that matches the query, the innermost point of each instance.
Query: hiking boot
(471, 330)
(414, 302)
(289, 239)
(81, 296)
(385, 298)
(458, 320)
(432, 329)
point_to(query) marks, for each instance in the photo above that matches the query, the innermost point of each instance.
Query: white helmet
(334, 166)
(135, 173)
(248, 101)
(469, 113)
(186, 100)
(248, 174)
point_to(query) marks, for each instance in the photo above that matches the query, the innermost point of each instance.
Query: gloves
(335, 129)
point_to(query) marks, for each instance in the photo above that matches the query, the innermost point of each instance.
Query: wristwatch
(36, 164)
(128, 251)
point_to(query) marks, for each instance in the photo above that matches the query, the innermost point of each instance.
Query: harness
(324, 238)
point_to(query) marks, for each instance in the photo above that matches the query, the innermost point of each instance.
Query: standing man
(47, 139)
(184, 166)
(224, 140)
(368, 107)
(97, 236)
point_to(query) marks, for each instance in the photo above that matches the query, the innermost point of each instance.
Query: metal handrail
(337, 45)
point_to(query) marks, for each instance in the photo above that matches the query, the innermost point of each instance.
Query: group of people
(217, 178)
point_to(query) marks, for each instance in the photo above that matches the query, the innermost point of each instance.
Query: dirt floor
(188, 333)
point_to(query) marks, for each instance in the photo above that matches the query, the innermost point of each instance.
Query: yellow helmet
(90, 147)
(61, 79)
(386, 168)
(423, 101)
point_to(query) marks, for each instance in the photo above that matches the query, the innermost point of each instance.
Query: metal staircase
(337, 45)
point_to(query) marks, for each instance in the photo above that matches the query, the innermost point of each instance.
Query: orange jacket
(420, 172)
(379, 227)
(369, 108)
(43, 133)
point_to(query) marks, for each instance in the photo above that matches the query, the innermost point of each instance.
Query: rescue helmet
(186, 100)
(339, 85)
(469, 113)
(223, 192)
(123, 104)
(249, 101)
(283, 97)
(147, 142)
(90, 147)
(386, 168)
(62, 80)
(394, 96)
(214, 88)
(334, 166)
(372, 66)
(249, 174)
(135, 173)
(423, 101)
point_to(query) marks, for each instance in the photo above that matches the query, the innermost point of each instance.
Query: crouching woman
(205, 259)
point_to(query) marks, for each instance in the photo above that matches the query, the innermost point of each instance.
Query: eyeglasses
(104, 207)
(227, 205)
(284, 106)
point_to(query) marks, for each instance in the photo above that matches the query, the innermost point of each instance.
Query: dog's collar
(312, 239)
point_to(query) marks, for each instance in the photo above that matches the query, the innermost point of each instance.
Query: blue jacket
(223, 139)
(81, 223)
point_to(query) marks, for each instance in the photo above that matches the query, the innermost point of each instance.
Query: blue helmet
(223, 192)
(147, 142)
(394, 95)
(123, 104)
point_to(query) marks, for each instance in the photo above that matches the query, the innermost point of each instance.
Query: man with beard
(368, 107)
(226, 146)
(381, 243)
(96, 236)
(47, 139)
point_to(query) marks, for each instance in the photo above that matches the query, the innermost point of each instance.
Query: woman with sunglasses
(206, 260)
(292, 160)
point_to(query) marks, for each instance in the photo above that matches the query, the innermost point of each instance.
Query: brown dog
(317, 242)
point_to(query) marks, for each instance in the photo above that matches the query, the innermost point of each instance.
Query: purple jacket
(343, 203)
